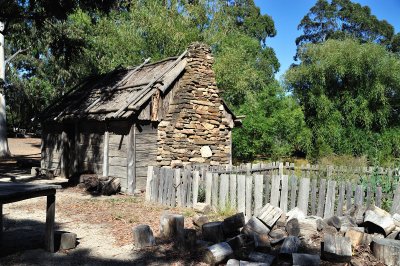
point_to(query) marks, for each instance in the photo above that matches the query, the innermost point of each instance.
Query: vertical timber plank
(378, 197)
(342, 188)
(50, 214)
(275, 192)
(330, 199)
(304, 194)
(241, 192)
(396, 201)
(196, 180)
(149, 182)
(267, 188)
(178, 187)
(131, 160)
(223, 190)
(358, 196)
(321, 198)
(161, 185)
(258, 192)
(284, 193)
(232, 190)
(214, 190)
(349, 195)
(249, 195)
(209, 178)
(313, 196)
(105, 154)
(293, 191)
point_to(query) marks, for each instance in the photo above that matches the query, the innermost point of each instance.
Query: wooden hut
(163, 113)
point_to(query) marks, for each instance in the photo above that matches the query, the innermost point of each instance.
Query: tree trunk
(4, 151)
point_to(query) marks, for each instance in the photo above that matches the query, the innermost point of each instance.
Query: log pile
(275, 238)
(100, 185)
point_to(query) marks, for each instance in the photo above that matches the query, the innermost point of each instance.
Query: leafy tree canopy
(350, 95)
(339, 19)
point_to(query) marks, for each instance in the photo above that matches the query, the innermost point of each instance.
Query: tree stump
(232, 224)
(379, 218)
(218, 253)
(302, 227)
(336, 248)
(172, 226)
(213, 232)
(143, 236)
(386, 250)
(301, 259)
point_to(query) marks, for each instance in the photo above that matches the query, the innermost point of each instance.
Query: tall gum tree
(4, 150)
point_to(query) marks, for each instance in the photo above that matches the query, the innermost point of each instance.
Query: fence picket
(209, 178)
(249, 195)
(313, 196)
(214, 190)
(241, 190)
(178, 186)
(321, 198)
(267, 188)
(275, 193)
(232, 190)
(161, 186)
(342, 188)
(330, 199)
(378, 197)
(359, 194)
(223, 190)
(196, 180)
(349, 195)
(304, 193)
(293, 191)
(149, 181)
(396, 201)
(284, 193)
(258, 192)
(369, 197)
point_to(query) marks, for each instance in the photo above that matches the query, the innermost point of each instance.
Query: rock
(321, 224)
(334, 221)
(68, 241)
(355, 236)
(336, 248)
(379, 218)
(206, 151)
(143, 236)
(386, 250)
(199, 220)
(202, 207)
(357, 213)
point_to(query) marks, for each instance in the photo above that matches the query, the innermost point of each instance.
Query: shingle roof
(118, 94)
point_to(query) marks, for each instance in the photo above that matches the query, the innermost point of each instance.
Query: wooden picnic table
(13, 192)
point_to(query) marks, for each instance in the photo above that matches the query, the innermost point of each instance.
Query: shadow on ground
(23, 242)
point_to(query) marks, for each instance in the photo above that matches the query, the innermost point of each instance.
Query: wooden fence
(316, 191)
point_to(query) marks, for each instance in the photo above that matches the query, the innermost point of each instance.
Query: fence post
(241, 190)
(149, 182)
(258, 192)
(196, 179)
(330, 199)
(209, 177)
(304, 193)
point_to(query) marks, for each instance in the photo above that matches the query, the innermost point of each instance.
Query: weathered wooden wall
(51, 148)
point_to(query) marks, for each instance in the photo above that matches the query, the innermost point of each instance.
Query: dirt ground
(103, 224)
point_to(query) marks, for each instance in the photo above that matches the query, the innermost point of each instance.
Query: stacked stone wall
(197, 128)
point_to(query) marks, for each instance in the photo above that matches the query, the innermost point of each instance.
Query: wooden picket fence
(316, 192)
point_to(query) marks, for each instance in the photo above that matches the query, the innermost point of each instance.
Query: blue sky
(288, 13)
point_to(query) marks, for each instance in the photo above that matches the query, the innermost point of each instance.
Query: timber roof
(118, 94)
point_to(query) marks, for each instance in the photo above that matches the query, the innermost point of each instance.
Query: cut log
(300, 259)
(302, 228)
(111, 186)
(295, 213)
(213, 232)
(143, 236)
(233, 223)
(290, 245)
(254, 225)
(396, 219)
(201, 244)
(393, 235)
(321, 224)
(218, 253)
(233, 262)
(68, 241)
(386, 250)
(356, 236)
(357, 213)
(172, 226)
(269, 215)
(261, 257)
(238, 241)
(189, 242)
(379, 218)
(277, 233)
(346, 222)
(199, 220)
(336, 248)
(334, 221)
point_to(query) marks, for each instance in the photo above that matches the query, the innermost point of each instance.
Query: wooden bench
(13, 192)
